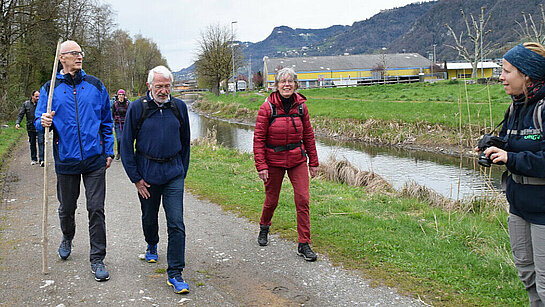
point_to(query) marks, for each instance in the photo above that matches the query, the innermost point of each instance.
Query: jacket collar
(298, 98)
(68, 79)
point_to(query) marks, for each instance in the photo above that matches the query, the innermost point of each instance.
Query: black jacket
(525, 157)
(28, 108)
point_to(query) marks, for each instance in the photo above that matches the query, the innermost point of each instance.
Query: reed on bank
(446, 255)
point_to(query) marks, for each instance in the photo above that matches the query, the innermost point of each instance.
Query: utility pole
(250, 75)
(433, 60)
(233, 56)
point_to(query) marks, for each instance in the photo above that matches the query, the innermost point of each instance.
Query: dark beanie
(526, 61)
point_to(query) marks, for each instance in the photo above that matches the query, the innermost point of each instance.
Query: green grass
(448, 259)
(435, 103)
(420, 113)
(9, 137)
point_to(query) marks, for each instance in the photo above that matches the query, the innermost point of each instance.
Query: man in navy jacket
(82, 147)
(159, 166)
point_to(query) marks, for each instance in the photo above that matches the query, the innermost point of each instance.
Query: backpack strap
(145, 110)
(145, 107)
(274, 113)
(538, 114)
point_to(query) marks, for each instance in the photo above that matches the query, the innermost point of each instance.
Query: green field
(447, 258)
(389, 114)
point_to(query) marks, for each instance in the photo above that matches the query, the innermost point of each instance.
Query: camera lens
(484, 161)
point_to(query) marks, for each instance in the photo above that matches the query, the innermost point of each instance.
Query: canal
(438, 172)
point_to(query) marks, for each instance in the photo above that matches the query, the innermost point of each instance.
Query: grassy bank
(9, 137)
(447, 258)
(424, 114)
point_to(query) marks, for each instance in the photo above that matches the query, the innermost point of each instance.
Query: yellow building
(348, 69)
(464, 70)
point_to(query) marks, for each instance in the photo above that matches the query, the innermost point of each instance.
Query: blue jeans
(34, 136)
(173, 204)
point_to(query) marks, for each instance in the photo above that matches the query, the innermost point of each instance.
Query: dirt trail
(224, 264)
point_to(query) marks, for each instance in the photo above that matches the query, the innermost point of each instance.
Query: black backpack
(145, 113)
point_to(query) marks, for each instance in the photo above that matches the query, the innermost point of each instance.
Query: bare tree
(531, 31)
(476, 31)
(214, 59)
(18, 18)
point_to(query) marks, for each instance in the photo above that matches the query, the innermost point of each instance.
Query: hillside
(374, 33)
(430, 28)
(413, 28)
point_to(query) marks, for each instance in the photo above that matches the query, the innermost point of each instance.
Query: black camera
(486, 141)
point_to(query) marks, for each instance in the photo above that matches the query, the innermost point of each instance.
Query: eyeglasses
(75, 53)
(160, 87)
(286, 82)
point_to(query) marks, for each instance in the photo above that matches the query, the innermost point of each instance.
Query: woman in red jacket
(283, 139)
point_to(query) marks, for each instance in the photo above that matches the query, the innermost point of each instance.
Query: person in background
(119, 111)
(28, 108)
(523, 78)
(157, 164)
(83, 145)
(283, 142)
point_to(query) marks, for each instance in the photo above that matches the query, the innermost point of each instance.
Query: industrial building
(464, 70)
(348, 69)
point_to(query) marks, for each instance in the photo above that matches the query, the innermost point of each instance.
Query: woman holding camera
(523, 77)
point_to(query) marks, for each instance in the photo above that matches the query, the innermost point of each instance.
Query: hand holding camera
(486, 142)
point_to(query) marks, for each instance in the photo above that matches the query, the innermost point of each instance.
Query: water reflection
(438, 172)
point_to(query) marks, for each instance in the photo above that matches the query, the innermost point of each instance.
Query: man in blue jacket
(158, 165)
(82, 147)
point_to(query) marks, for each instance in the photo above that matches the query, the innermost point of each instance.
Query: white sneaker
(33, 162)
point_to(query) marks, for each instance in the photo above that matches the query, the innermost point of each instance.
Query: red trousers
(299, 180)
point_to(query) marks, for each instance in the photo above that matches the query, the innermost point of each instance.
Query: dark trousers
(68, 188)
(118, 128)
(34, 136)
(172, 193)
(299, 180)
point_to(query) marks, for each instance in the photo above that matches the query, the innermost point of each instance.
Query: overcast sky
(176, 25)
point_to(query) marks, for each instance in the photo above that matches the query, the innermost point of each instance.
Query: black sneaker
(65, 248)
(263, 233)
(99, 270)
(306, 252)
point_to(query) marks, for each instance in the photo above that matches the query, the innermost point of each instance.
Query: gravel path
(224, 264)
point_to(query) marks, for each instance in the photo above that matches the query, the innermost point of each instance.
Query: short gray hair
(162, 70)
(286, 71)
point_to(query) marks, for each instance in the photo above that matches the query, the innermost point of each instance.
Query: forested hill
(285, 41)
(413, 28)
(374, 33)
(430, 28)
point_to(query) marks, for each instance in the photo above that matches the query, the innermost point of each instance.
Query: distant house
(464, 70)
(347, 69)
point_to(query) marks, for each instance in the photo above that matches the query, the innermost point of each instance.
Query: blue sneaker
(100, 272)
(179, 285)
(151, 253)
(65, 248)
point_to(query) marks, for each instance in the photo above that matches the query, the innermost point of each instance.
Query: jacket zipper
(77, 122)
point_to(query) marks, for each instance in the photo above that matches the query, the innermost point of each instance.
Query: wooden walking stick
(44, 204)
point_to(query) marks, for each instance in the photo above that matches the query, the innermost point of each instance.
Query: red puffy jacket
(283, 131)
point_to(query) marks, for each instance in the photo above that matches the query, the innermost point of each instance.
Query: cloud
(176, 25)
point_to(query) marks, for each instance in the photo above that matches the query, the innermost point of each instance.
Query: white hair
(286, 71)
(162, 70)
